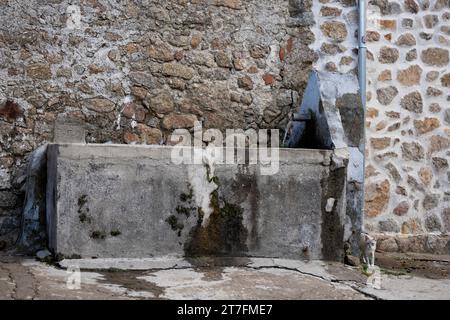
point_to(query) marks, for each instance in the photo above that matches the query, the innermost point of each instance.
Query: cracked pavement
(223, 278)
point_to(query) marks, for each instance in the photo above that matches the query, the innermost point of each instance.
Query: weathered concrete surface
(337, 116)
(132, 201)
(253, 278)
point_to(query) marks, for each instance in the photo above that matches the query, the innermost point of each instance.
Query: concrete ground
(397, 277)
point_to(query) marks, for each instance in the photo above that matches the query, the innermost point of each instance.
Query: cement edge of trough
(91, 151)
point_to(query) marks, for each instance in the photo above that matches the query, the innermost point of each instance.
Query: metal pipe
(362, 49)
(301, 117)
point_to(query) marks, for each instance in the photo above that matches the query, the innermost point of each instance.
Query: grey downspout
(362, 50)
(362, 83)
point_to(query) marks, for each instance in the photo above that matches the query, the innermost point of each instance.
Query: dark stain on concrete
(187, 197)
(83, 217)
(224, 233)
(83, 210)
(175, 224)
(129, 280)
(187, 207)
(352, 115)
(353, 211)
(186, 211)
(82, 200)
(245, 187)
(183, 212)
(332, 233)
(99, 235)
(115, 233)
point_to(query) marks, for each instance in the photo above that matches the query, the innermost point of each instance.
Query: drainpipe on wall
(362, 83)
(362, 50)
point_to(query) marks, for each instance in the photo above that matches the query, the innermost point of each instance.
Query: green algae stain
(224, 233)
(175, 225)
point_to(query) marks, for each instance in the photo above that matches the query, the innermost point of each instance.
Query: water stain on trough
(224, 233)
(245, 187)
(219, 229)
(175, 225)
(83, 210)
(183, 212)
(332, 230)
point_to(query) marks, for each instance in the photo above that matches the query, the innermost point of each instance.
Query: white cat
(367, 246)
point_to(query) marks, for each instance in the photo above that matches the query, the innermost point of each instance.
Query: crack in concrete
(330, 280)
(34, 284)
(351, 284)
(370, 295)
(13, 282)
(15, 273)
(348, 283)
(275, 266)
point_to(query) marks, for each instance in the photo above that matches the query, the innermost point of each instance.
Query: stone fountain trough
(121, 201)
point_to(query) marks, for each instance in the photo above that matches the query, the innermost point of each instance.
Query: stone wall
(132, 71)
(408, 118)
(336, 28)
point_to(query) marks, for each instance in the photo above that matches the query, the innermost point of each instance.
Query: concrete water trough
(107, 201)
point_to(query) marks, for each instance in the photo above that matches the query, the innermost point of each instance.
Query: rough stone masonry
(408, 125)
